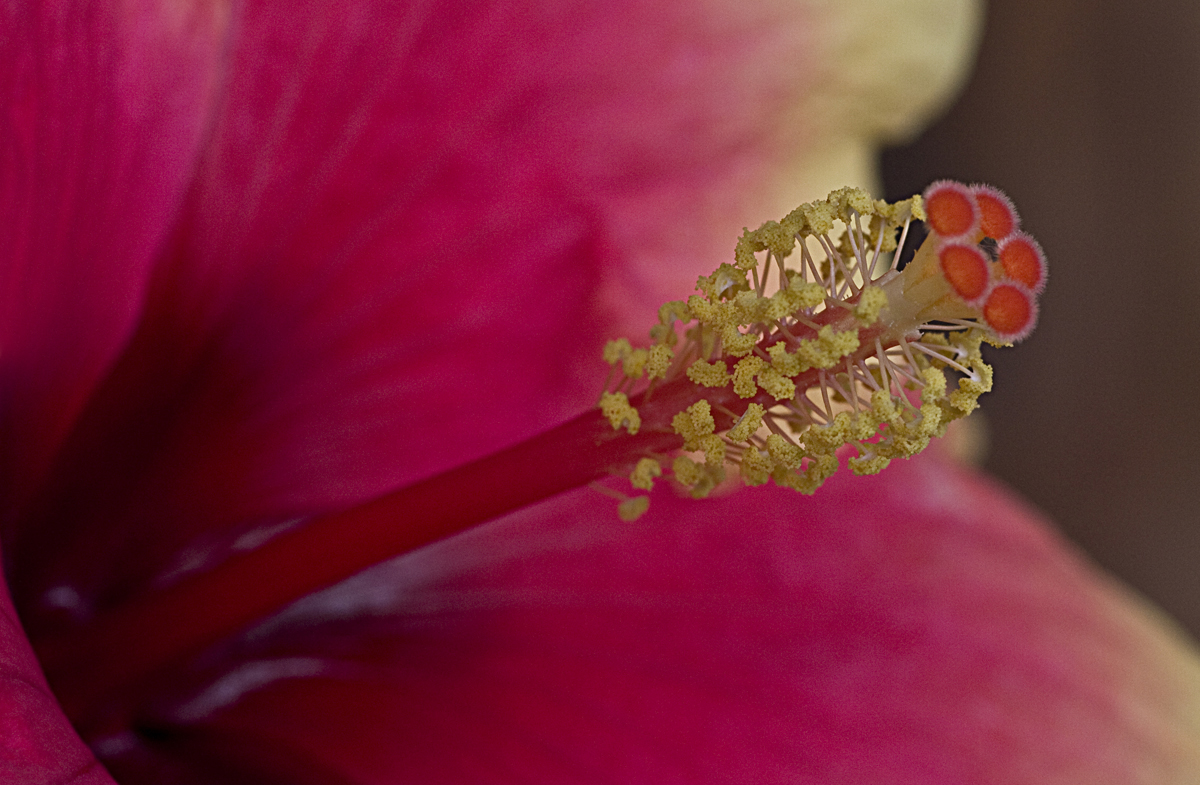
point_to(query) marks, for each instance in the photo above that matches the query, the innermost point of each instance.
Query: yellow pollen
(743, 375)
(617, 410)
(827, 348)
(694, 424)
(659, 360)
(776, 384)
(784, 452)
(634, 364)
(642, 476)
(709, 374)
(617, 350)
(756, 467)
(633, 508)
(872, 301)
(856, 355)
(686, 470)
(748, 424)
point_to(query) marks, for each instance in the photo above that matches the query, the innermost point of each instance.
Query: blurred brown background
(1087, 113)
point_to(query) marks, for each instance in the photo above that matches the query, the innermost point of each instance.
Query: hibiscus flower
(267, 266)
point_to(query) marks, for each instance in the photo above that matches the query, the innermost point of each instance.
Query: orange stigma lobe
(1010, 311)
(951, 210)
(997, 216)
(1024, 262)
(966, 270)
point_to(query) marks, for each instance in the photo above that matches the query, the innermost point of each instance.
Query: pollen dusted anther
(814, 339)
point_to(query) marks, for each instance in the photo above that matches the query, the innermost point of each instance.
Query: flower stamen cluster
(814, 339)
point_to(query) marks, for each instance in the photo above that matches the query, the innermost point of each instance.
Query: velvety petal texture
(104, 112)
(38, 746)
(105, 106)
(915, 628)
(265, 262)
(402, 248)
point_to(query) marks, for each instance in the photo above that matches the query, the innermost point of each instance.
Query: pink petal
(105, 109)
(410, 233)
(915, 627)
(38, 746)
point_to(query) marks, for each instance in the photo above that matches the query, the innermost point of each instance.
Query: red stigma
(966, 270)
(951, 209)
(1023, 261)
(1010, 311)
(998, 216)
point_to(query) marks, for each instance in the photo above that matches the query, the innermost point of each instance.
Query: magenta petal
(38, 746)
(105, 106)
(913, 628)
(408, 237)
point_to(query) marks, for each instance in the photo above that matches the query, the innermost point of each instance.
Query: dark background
(1087, 113)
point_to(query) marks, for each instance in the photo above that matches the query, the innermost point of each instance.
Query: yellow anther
(850, 199)
(803, 294)
(965, 398)
(694, 423)
(743, 375)
(755, 467)
(633, 508)
(784, 452)
(818, 470)
(931, 420)
(672, 311)
(783, 361)
(686, 470)
(818, 216)
(747, 305)
(776, 384)
(827, 438)
(827, 349)
(870, 303)
(916, 205)
(863, 426)
(704, 311)
(748, 424)
(616, 351)
(644, 472)
(617, 409)
(795, 223)
(743, 252)
(873, 464)
(963, 402)
(700, 479)
(737, 343)
(875, 333)
(660, 357)
(709, 374)
(884, 407)
(935, 385)
(634, 364)
(777, 238)
(724, 283)
(714, 450)
(775, 307)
